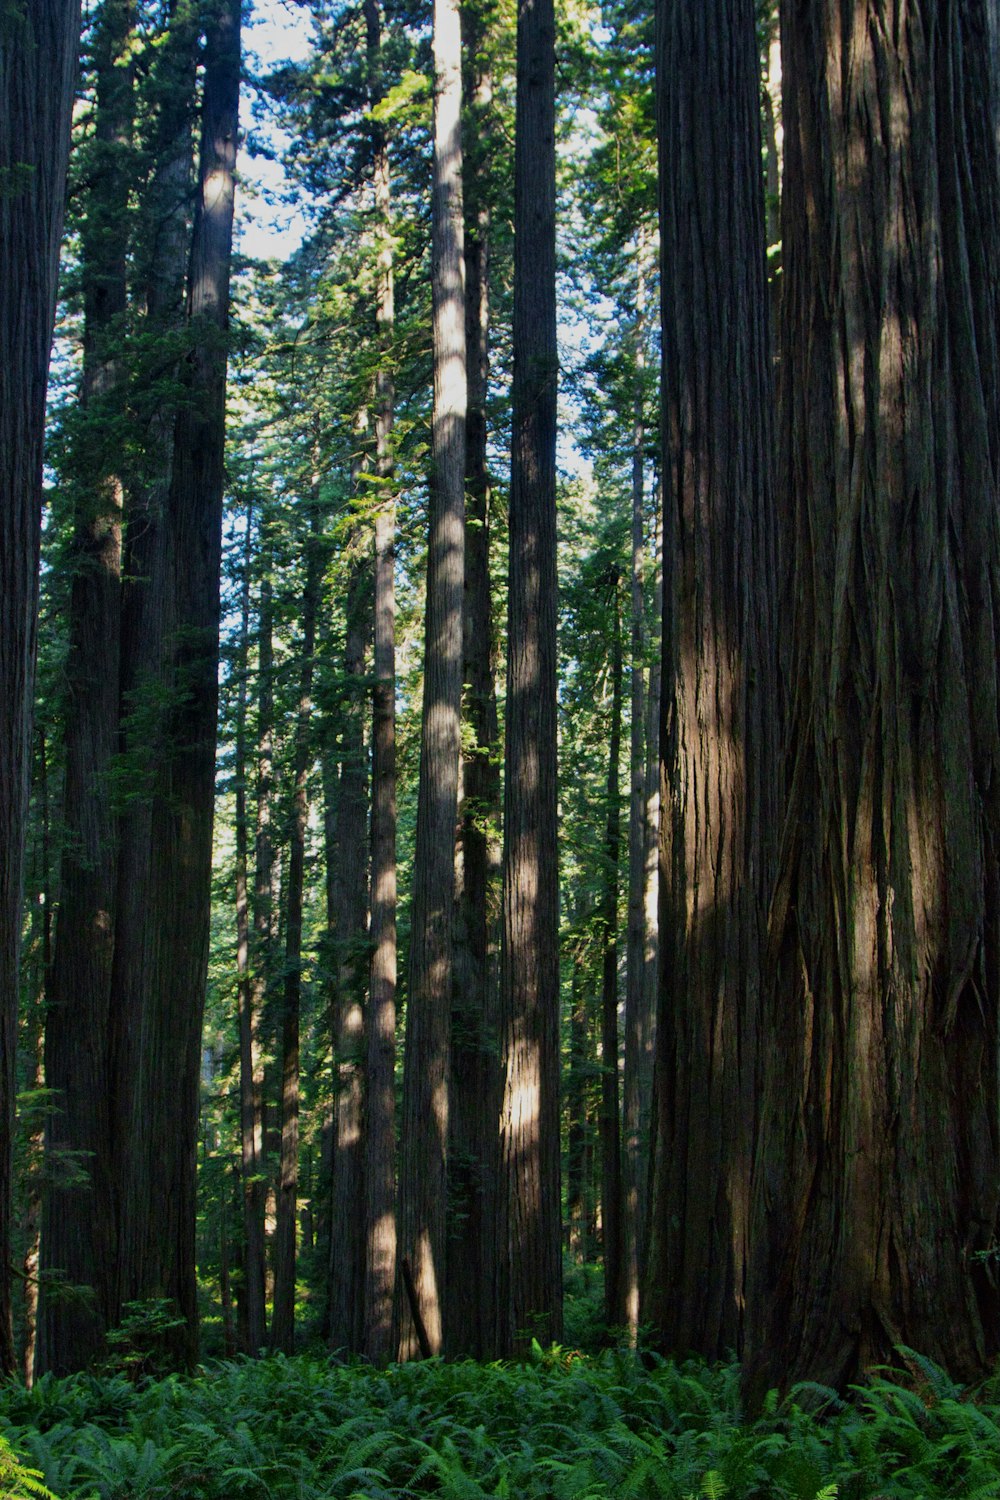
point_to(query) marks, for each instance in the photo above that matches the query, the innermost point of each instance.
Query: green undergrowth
(562, 1428)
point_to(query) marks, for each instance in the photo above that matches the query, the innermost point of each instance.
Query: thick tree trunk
(529, 1272)
(611, 1144)
(719, 746)
(423, 1187)
(159, 1202)
(38, 57)
(283, 1313)
(876, 1184)
(474, 1096)
(162, 249)
(379, 1152)
(79, 1219)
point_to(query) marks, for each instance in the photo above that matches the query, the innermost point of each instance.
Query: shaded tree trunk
(38, 57)
(423, 1187)
(348, 922)
(78, 1235)
(641, 937)
(719, 717)
(611, 1146)
(474, 1095)
(578, 1214)
(876, 1183)
(529, 1271)
(41, 956)
(251, 1124)
(283, 1312)
(159, 1202)
(163, 243)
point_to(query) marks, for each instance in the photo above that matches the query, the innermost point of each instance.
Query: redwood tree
(161, 1013)
(423, 1181)
(529, 1270)
(718, 741)
(877, 1177)
(38, 56)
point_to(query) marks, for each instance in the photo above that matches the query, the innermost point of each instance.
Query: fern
(18, 1482)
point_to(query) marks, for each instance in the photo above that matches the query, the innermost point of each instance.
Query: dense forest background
(501, 732)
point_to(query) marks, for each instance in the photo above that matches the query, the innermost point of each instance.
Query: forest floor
(563, 1427)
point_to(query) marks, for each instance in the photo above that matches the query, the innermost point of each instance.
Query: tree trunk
(638, 1018)
(348, 922)
(283, 1313)
(529, 1273)
(876, 1184)
(577, 1087)
(380, 1102)
(251, 1134)
(41, 955)
(719, 740)
(611, 1146)
(163, 241)
(159, 1249)
(78, 1237)
(423, 1188)
(38, 57)
(474, 1095)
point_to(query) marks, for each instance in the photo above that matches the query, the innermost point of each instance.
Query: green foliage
(142, 1347)
(16, 1481)
(562, 1427)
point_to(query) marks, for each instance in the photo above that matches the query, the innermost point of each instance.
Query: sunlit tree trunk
(529, 1271)
(719, 744)
(878, 1170)
(423, 1187)
(38, 56)
(380, 1108)
(79, 1219)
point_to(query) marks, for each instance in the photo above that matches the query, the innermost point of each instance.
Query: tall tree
(157, 1257)
(641, 959)
(529, 1271)
(876, 1183)
(380, 1107)
(78, 1235)
(283, 1313)
(611, 1152)
(347, 884)
(38, 57)
(423, 1189)
(251, 1123)
(473, 1096)
(719, 719)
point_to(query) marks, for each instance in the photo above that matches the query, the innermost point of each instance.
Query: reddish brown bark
(719, 719)
(876, 1188)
